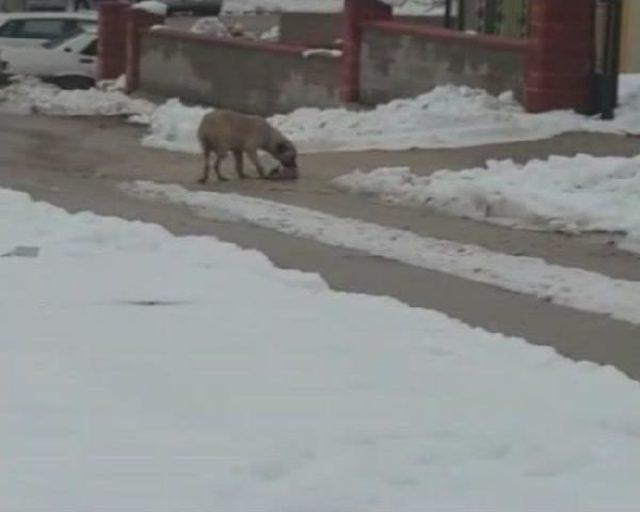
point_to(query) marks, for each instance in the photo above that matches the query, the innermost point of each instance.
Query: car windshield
(59, 41)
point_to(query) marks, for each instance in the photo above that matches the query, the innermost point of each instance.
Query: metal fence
(506, 18)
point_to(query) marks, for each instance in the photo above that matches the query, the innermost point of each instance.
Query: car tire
(74, 82)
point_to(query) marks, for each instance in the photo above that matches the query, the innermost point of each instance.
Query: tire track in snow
(576, 288)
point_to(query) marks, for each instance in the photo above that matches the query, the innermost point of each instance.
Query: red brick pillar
(138, 21)
(112, 37)
(560, 57)
(355, 12)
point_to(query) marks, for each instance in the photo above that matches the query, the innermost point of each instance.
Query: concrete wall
(323, 29)
(630, 57)
(242, 75)
(398, 61)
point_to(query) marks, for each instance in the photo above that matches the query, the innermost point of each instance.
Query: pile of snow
(446, 117)
(575, 195)
(28, 95)
(572, 287)
(271, 35)
(414, 7)
(152, 6)
(174, 127)
(210, 25)
(214, 27)
(141, 380)
(322, 52)
(628, 112)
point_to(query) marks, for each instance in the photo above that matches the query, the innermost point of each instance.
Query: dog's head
(285, 152)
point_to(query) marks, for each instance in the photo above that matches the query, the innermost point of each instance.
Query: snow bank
(174, 127)
(573, 195)
(141, 380)
(446, 117)
(576, 288)
(31, 96)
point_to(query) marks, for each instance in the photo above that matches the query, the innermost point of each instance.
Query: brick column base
(112, 39)
(560, 57)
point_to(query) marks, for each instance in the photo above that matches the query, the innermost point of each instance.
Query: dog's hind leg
(253, 156)
(216, 166)
(207, 166)
(239, 158)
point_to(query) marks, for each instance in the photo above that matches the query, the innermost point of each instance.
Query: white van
(36, 28)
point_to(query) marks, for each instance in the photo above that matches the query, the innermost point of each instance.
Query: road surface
(77, 163)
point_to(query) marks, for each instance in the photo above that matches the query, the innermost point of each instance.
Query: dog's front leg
(239, 158)
(253, 156)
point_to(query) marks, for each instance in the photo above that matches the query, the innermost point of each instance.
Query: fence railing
(497, 17)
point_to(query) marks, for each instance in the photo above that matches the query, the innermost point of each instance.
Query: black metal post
(615, 48)
(608, 80)
(447, 13)
(461, 14)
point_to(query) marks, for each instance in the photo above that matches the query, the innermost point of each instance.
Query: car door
(57, 58)
(77, 56)
(87, 59)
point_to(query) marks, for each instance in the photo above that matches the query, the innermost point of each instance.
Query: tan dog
(224, 131)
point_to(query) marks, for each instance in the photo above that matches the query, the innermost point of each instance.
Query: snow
(28, 95)
(446, 117)
(415, 7)
(213, 26)
(572, 287)
(210, 25)
(322, 52)
(579, 194)
(272, 35)
(142, 378)
(152, 6)
(174, 127)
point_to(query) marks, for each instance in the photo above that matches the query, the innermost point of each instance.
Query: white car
(70, 63)
(35, 28)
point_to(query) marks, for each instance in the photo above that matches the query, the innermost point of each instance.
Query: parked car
(46, 5)
(197, 7)
(35, 28)
(69, 62)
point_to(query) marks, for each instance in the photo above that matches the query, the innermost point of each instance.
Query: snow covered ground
(576, 288)
(31, 96)
(141, 371)
(448, 116)
(581, 194)
(415, 7)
